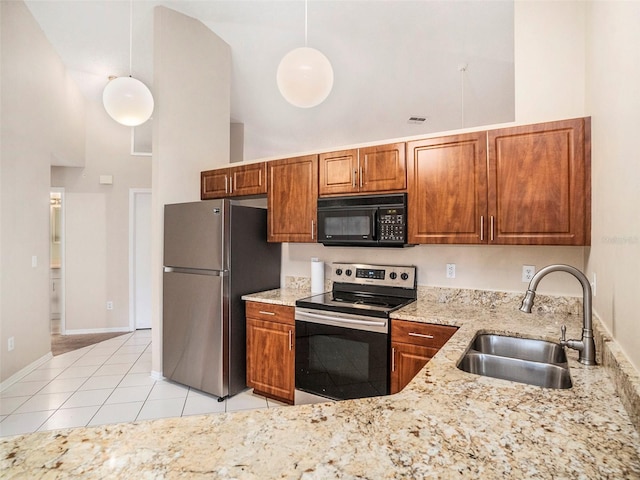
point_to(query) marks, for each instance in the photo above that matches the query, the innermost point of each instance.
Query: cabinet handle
(353, 178)
(226, 186)
(491, 219)
(266, 313)
(360, 177)
(421, 335)
(290, 340)
(481, 227)
(230, 184)
(393, 359)
(312, 225)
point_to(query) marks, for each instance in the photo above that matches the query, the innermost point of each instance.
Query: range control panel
(384, 275)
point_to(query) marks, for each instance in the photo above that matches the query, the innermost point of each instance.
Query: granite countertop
(445, 424)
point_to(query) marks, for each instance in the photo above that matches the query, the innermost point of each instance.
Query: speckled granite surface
(445, 424)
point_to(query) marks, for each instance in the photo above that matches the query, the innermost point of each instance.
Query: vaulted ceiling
(448, 61)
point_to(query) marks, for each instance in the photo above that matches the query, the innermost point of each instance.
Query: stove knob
(404, 276)
(348, 273)
(393, 275)
(338, 271)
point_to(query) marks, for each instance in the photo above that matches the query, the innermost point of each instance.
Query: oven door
(347, 226)
(341, 356)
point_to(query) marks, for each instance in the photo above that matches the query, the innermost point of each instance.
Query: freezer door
(193, 332)
(194, 235)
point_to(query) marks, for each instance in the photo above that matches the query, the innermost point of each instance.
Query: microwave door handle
(376, 224)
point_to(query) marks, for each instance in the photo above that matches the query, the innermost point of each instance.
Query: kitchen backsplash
(487, 298)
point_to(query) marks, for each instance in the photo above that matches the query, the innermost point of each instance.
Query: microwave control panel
(392, 224)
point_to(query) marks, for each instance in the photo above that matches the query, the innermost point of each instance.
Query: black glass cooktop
(358, 303)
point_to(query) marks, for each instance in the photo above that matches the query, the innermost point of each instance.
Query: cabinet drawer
(424, 334)
(271, 312)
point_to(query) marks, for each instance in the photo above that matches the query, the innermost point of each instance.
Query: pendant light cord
(130, 37)
(463, 69)
(305, 22)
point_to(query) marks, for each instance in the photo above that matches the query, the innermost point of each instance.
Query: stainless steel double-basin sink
(524, 360)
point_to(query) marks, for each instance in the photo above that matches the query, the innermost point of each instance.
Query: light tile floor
(109, 382)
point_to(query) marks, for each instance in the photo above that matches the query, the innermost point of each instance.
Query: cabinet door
(383, 168)
(271, 359)
(214, 184)
(447, 189)
(248, 179)
(292, 197)
(406, 361)
(338, 172)
(539, 184)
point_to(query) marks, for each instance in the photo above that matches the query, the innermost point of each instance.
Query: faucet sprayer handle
(563, 333)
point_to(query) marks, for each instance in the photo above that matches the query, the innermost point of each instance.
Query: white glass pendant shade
(128, 101)
(305, 77)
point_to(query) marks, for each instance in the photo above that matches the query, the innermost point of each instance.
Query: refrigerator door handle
(197, 271)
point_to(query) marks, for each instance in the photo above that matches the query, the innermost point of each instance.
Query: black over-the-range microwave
(364, 221)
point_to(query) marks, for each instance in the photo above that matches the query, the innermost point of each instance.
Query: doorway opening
(139, 258)
(56, 260)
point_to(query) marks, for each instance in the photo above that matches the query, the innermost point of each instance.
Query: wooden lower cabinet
(413, 344)
(271, 350)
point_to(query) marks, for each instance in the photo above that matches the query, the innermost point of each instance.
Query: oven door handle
(345, 320)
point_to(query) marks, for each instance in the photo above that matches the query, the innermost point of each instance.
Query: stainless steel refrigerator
(215, 251)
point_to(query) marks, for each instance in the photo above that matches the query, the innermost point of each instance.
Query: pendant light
(127, 100)
(305, 75)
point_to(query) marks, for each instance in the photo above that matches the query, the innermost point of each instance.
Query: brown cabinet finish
(383, 168)
(447, 191)
(413, 344)
(528, 185)
(407, 361)
(338, 172)
(234, 181)
(378, 169)
(214, 184)
(539, 184)
(271, 350)
(292, 196)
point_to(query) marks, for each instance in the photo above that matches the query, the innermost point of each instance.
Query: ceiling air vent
(417, 120)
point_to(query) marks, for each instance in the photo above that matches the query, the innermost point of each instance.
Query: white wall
(192, 86)
(97, 225)
(32, 121)
(613, 99)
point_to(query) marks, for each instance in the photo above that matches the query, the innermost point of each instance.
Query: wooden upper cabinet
(447, 189)
(214, 184)
(540, 184)
(338, 172)
(377, 169)
(292, 197)
(234, 181)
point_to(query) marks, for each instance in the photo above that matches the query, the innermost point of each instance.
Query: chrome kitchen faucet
(586, 346)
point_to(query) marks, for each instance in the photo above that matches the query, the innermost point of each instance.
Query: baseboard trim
(157, 375)
(84, 331)
(20, 374)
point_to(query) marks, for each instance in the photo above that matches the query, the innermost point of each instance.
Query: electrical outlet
(528, 271)
(34, 261)
(593, 285)
(451, 270)
(109, 305)
(11, 343)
